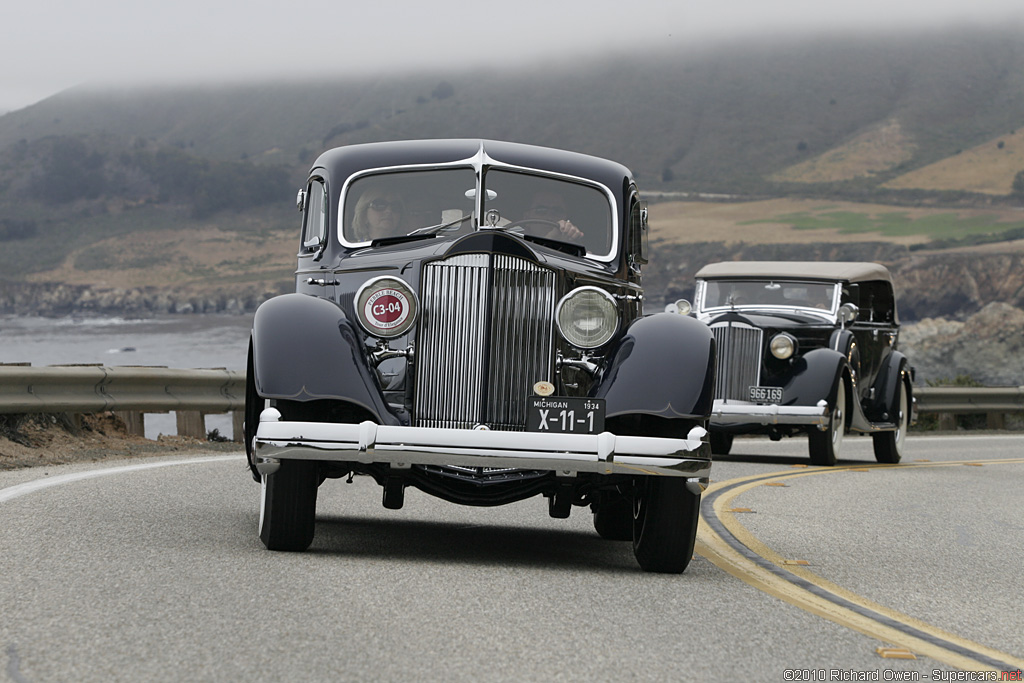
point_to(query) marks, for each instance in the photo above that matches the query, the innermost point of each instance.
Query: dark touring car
(467, 321)
(806, 347)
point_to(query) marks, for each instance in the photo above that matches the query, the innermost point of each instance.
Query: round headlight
(386, 307)
(783, 346)
(587, 317)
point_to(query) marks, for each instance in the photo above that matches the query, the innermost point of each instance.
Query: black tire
(288, 506)
(665, 515)
(824, 446)
(613, 516)
(889, 445)
(721, 442)
(254, 404)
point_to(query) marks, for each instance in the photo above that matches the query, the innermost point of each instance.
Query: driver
(378, 214)
(548, 206)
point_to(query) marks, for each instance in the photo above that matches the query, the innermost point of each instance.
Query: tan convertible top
(848, 271)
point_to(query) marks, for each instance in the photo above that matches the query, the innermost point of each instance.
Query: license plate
(766, 394)
(565, 415)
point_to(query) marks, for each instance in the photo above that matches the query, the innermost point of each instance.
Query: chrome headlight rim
(783, 346)
(612, 313)
(401, 307)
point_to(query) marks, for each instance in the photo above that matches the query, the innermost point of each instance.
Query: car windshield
(397, 204)
(387, 205)
(549, 208)
(768, 293)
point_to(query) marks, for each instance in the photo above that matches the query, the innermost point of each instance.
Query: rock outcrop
(988, 346)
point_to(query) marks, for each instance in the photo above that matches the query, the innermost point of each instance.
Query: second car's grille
(739, 359)
(485, 338)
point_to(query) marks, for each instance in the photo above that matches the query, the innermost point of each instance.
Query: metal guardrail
(129, 391)
(93, 388)
(134, 391)
(967, 400)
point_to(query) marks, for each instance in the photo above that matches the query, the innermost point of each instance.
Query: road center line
(730, 546)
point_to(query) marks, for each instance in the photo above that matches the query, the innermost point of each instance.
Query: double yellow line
(731, 547)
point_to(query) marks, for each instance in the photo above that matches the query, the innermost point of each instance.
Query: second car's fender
(305, 348)
(664, 365)
(816, 380)
(886, 388)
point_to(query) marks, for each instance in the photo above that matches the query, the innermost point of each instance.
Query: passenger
(378, 214)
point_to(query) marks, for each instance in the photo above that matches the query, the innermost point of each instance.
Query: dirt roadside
(42, 439)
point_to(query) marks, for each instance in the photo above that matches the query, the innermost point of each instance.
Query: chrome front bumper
(402, 447)
(740, 413)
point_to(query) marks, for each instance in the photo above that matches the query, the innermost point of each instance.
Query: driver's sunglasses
(545, 210)
(385, 204)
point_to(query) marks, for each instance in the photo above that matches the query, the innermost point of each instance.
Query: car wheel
(824, 446)
(889, 445)
(288, 506)
(721, 443)
(613, 516)
(665, 514)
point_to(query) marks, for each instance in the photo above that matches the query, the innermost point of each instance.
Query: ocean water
(174, 341)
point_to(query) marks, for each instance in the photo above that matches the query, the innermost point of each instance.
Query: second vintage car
(467, 321)
(806, 348)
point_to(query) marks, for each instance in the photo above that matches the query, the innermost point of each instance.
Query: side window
(638, 231)
(315, 220)
(880, 300)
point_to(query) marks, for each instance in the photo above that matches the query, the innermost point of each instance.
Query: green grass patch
(894, 224)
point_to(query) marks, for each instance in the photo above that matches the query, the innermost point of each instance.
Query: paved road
(151, 570)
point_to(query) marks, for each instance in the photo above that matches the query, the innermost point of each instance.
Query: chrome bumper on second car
(567, 454)
(741, 412)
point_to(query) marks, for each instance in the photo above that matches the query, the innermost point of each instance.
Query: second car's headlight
(386, 307)
(587, 317)
(783, 346)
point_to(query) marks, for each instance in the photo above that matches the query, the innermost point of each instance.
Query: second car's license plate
(563, 414)
(766, 394)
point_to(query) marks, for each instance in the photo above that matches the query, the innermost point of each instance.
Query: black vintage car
(806, 347)
(467, 321)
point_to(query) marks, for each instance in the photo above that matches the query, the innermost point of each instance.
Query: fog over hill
(704, 119)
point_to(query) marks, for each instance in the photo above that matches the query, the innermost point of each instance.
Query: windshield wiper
(421, 233)
(434, 229)
(568, 247)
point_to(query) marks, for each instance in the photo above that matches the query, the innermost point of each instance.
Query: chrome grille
(485, 337)
(739, 360)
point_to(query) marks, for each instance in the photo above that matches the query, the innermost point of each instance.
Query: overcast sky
(47, 46)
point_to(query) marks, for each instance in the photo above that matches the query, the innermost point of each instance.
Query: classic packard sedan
(467, 322)
(806, 348)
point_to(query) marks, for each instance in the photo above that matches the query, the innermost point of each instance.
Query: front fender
(305, 348)
(814, 377)
(664, 365)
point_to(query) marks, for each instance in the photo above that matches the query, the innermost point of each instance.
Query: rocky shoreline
(986, 345)
(58, 300)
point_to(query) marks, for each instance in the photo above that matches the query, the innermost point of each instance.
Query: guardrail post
(191, 423)
(947, 421)
(995, 420)
(237, 426)
(134, 420)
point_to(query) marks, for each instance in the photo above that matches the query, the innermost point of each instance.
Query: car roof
(344, 161)
(847, 271)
